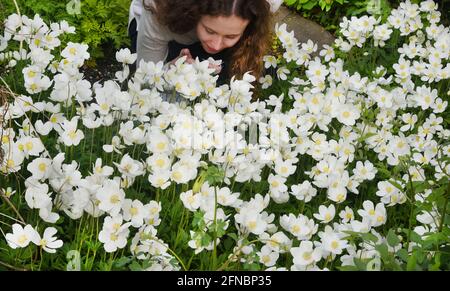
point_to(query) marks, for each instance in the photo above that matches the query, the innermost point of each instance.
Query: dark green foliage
(330, 12)
(97, 22)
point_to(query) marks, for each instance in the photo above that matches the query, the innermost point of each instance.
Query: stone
(303, 28)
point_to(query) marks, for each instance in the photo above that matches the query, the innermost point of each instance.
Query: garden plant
(334, 162)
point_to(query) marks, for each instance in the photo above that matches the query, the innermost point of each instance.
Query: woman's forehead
(225, 25)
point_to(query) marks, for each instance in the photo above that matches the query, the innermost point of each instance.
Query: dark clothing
(132, 33)
(196, 50)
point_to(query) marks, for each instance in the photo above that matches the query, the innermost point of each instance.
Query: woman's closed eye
(209, 31)
(232, 36)
(212, 32)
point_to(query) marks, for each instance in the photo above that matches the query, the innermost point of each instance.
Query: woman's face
(217, 33)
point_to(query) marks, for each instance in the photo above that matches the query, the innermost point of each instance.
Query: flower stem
(214, 254)
(2, 194)
(444, 210)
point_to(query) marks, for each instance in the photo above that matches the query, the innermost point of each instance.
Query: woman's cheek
(231, 42)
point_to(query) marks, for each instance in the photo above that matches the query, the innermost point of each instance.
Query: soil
(102, 69)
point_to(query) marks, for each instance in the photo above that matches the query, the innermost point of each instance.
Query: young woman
(237, 32)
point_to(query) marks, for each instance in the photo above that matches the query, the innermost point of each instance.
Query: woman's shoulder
(138, 6)
(151, 26)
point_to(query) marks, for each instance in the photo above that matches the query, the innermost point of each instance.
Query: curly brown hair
(181, 16)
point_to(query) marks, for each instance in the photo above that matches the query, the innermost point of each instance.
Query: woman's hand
(184, 53)
(216, 65)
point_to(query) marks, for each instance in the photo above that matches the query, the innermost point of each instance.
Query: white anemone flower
(21, 236)
(71, 136)
(48, 242)
(326, 214)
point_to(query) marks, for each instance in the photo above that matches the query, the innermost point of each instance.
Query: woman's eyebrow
(213, 31)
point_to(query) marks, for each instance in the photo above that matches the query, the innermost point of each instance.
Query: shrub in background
(99, 23)
(330, 12)
(345, 166)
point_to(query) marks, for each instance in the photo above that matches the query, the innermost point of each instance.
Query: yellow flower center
(72, 134)
(160, 163)
(114, 199)
(10, 163)
(22, 239)
(161, 146)
(307, 256)
(113, 237)
(31, 74)
(177, 175)
(134, 211)
(340, 198)
(104, 107)
(252, 225)
(42, 167)
(334, 245)
(29, 146)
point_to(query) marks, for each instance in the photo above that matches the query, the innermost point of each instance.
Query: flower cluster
(293, 177)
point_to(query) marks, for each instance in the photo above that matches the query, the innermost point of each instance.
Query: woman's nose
(217, 43)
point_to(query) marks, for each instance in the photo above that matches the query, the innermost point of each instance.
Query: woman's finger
(217, 68)
(186, 52)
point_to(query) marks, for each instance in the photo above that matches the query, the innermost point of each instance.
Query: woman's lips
(211, 50)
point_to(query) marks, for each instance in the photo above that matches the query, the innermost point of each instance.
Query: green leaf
(135, 266)
(420, 186)
(361, 264)
(392, 238)
(206, 240)
(290, 2)
(383, 250)
(403, 254)
(198, 218)
(369, 237)
(437, 193)
(347, 268)
(119, 263)
(383, 170)
(220, 228)
(252, 267)
(366, 136)
(310, 5)
(437, 263)
(322, 5)
(214, 175)
(415, 237)
(233, 236)
(411, 265)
